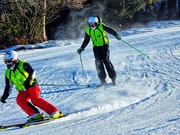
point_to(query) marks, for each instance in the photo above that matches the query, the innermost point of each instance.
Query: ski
(105, 85)
(27, 124)
(100, 86)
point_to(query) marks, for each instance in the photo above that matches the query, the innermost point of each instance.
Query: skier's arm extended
(110, 30)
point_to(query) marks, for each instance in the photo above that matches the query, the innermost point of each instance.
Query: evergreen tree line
(25, 21)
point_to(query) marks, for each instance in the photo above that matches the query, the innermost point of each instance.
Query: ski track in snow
(147, 88)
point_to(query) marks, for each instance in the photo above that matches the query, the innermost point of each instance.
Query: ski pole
(82, 68)
(63, 85)
(136, 49)
(16, 108)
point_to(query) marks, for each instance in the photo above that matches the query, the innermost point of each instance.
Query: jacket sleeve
(110, 30)
(28, 68)
(7, 89)
(86, 41)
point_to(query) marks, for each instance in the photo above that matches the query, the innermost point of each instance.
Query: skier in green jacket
(20, 74)
(97, 32)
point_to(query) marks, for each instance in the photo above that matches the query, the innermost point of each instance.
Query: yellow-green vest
(18, 77)
(98, 35)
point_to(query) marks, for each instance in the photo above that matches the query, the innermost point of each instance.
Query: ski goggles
(8, 61)
(92, 25)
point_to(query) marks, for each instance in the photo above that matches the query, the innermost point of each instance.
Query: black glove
(80, 50)
(118, 37)
(3, 100)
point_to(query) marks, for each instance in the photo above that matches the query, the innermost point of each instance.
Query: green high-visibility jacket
(18, 76)
(98, 35)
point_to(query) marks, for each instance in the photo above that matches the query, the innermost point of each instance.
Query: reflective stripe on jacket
(98, 35)
(18, 76)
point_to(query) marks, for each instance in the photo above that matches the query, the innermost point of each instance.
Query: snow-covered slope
(145, 101)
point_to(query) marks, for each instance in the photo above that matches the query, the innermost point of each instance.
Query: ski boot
(56, 115)
(35, 117)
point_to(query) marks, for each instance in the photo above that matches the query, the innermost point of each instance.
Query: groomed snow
(145, 101)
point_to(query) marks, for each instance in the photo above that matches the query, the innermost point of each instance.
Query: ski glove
(2, 100)
(118, 37)
(80, 50)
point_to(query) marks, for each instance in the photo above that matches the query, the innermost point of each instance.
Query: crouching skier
(22, 75)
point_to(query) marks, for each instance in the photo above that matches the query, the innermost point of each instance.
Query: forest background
(25, 22)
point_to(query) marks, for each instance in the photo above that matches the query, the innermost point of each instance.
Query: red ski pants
(33, 94)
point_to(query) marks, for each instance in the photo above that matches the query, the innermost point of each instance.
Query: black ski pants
(102, 61)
